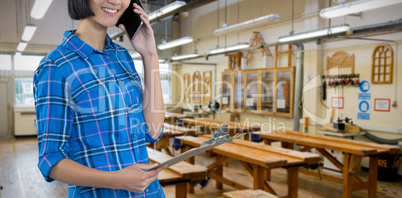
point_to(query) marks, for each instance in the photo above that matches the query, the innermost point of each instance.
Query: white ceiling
(13, 18)
(50, 28)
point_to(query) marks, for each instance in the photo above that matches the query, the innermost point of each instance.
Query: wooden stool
(248, 193)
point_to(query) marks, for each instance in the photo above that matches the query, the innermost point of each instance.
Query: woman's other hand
(135, 179)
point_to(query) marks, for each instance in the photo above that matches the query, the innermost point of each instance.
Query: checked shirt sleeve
(54, 116)
(150, 139)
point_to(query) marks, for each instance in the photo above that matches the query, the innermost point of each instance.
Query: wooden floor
(21, 178)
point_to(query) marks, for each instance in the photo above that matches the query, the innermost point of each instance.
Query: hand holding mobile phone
(131, 20)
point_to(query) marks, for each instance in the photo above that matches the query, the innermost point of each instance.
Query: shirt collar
(72, 42)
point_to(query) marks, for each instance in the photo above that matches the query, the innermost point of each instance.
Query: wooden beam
(219, 170)
(167, 151)
(191, 160)
(332, 159)
(181, 190)
(293, 182)
(323, 176)
(362, 186)
(306, 148)
(269, 189)
(218, 161)
(267, 175)
(373, 171)
(347, 181)
(258, 176)
(248, 167)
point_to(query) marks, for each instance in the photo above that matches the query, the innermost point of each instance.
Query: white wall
(8, 74)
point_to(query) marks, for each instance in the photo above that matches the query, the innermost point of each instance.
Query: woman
(93, 119)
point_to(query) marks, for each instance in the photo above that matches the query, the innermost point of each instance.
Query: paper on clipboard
(186, 155)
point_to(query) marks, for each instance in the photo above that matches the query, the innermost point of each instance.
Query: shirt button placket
(129, 115)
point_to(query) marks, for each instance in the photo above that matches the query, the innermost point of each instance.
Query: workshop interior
(301, 97)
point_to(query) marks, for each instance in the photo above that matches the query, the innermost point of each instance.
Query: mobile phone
(131, 20)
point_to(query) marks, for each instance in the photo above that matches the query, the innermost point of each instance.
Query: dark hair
(79, 9)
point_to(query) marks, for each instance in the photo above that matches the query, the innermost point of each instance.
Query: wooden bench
(171, 118)
(171, 131)
(257, 159)
(351, 149)
(209, 125)
(248, 194)
(179, 174)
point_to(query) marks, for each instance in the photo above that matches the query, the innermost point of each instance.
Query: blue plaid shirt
(89, 109)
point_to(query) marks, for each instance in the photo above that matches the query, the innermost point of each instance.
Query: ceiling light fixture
(331, 31)
(166, 9)
(355, 7)
(40, 8)
(29, 31)
(247, 25)
(21, 46)
(229, 48)
(175, 43)
(185, 56)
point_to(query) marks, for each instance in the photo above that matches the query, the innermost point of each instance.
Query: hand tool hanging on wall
(324, 90)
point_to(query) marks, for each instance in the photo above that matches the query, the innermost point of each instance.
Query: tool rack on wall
(342, 80)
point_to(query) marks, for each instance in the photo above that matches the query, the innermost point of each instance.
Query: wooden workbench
(258, 159)
(211, 124)
(351, 149)
(171, 131)
(179, 174)
(248, 194)
(171, 118)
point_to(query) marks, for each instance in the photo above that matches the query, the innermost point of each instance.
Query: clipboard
(185, 155)
(219, 137)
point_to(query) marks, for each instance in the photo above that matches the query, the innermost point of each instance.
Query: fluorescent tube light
(40, 8)
(29, 31)
(229, 48)
(355, 7)
(21, 46)
(175, 43)
(181, 57)
(257, 22)
(317, 33)
(166, 9)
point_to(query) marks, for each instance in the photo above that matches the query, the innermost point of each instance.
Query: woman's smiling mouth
(110, 11)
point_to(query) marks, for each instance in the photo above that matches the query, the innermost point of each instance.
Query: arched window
(382, 64)
(196, 86)
(186, 87)
(207, 87)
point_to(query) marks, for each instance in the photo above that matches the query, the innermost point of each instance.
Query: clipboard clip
(221, 136)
